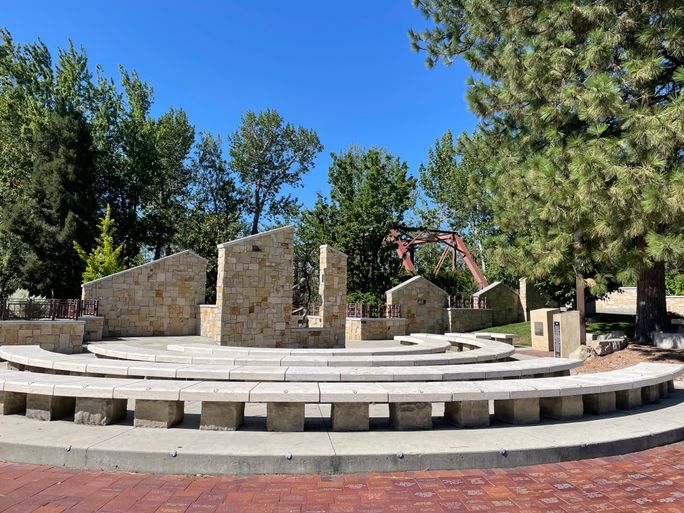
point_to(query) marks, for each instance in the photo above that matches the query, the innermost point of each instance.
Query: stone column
(157, 414)
(222, 416)
(333, 291)
(599, 403)
(467, 413)
(517, 411)
(349, 416)
(99, 412)
(562, 407)
(411, 415)
(285, 416)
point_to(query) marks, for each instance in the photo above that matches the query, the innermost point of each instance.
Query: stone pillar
(517, 411)
(664, 390)
(285, 416)
(48, 407)
(332, 288)
(562, 407)
(157, 414)
(254, 289)
(99, 412)
(222, 416)
(12, 402)
(650, 394)
(599, 404)
(628, 399)
(467, 413)
(349, 416)
(411, 415)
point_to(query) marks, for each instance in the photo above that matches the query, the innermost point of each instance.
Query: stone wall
(623, 300)
(459, 320)
(533, 298)
(156, 298)
(503, 301)
(62, 336)
(332, 288)
(208, 319)
(422, 305)
(94, 327)
(254, 289)
(374, 329)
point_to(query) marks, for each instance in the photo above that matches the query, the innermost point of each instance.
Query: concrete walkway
(647, 482)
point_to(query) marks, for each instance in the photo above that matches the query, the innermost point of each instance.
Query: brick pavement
(648, 482)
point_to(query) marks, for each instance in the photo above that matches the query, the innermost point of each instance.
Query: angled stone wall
(422, 304)
(503, 301)
(332, 288)
(533, 298)
(156, 298)
(254, 289)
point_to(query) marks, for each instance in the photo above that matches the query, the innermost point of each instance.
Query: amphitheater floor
(651, 481)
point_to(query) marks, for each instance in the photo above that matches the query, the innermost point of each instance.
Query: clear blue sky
(344, 69)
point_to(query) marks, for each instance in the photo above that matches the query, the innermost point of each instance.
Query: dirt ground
(631, 355)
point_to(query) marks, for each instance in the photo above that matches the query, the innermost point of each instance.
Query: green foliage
(104, 259)
(58, 207)
(267, 155)
(674, 282)
(581, 132)
(370, 192)
(366, 298)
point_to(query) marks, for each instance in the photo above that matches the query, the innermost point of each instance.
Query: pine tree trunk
(651, 314)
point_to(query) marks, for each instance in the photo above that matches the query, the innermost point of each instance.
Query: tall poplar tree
(582, 123)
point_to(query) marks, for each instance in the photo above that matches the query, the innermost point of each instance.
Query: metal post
(581, 307)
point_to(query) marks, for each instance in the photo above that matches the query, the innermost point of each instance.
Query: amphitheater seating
(160, 403)
(36, 359)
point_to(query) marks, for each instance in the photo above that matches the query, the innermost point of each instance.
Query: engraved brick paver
(648, 482)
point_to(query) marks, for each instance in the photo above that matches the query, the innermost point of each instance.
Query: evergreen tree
(582, 127)
(104, 259)
(268, 154)
(58, 207)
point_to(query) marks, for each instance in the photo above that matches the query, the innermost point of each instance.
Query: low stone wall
(461, 320)
(94, 327)
(156, 298)
(374, 329)
(309, 338)
(422, 304)
(623, 300)
(62, 336)
(503, 301)
(208, 320)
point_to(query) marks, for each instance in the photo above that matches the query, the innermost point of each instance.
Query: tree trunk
(651, 314)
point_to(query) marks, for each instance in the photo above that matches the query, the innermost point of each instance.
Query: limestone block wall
(308, 338)
(422, 305)
(254, 289)
(94, 327)
(375, 329)
(156, 298)
(459, 320)
(623, 300)
(503, 301)
(332, 288)
(532, 298)
(208, 319)
(62, 336)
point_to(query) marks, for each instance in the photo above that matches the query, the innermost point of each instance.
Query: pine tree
(58, 207)
(582, 128)
(104, 259)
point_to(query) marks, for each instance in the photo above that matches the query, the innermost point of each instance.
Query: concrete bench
(481, 351)
(160, 403)
(36, 359)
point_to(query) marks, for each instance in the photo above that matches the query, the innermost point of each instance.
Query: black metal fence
(383, 311)
(29, 309)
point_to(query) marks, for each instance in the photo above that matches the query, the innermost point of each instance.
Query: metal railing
(465, 302)
(29, 309)
(383, 311)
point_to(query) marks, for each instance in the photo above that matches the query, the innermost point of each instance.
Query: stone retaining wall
(94, 327)
(374, 329)
(62, 336)
(503, 301)
(208, 319)
(623, 300)
(153, 299)
(468, 319)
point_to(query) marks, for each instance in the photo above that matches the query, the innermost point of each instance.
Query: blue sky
(344, 69)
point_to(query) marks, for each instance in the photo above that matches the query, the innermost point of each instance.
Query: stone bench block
(222, 416)
(467, 413)
(628, 399)
(670, 386)
(12, 403)
(517, 411)
(664, 389)
(599, 404)
(650, 394)
(405, 416)
(157, 414)
(49, 407)
(285, 416)
(349, 416)
(99, 412)
(563, 407)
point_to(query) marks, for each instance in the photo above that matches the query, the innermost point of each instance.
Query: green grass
(599, 323)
